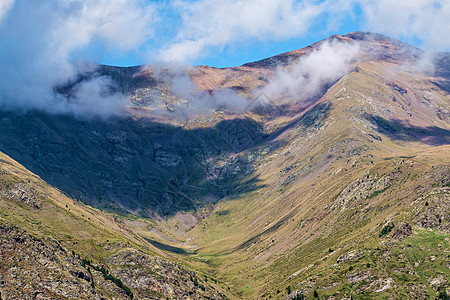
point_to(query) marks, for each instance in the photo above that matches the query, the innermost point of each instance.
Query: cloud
(185, 99)
(298, 82)
(45, 37)
(305, 78)
(424, 20)
(211, 24)
(5, 7)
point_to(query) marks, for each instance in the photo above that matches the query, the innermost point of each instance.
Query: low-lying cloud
(41, 40)
(296, 82)
(322, 66)
(191, 101)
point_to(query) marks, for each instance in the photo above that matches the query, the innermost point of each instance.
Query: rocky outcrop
(23, 192)
(365, 187)
(33, 268)
(153, 275)
(403, 230)
(433, 210)
(40, 269)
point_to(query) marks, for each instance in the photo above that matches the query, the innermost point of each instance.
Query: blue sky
(410, 21)
(217, 33)
(243, 51)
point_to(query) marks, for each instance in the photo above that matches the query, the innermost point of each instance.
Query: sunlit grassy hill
(343, 195)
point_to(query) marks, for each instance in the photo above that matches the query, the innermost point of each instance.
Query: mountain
(344, 193)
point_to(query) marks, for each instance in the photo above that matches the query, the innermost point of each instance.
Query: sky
(217, 33)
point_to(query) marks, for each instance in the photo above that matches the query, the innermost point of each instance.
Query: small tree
(288, 289)
(315, 294)
(386, 229)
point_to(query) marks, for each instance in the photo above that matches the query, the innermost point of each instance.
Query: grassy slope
(257, 241)
(76, 225)
(88, 232)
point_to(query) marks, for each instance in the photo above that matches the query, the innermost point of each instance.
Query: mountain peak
(374, 46)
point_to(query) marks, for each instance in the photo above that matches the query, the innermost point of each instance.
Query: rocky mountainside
(341, 194)
(53, 247)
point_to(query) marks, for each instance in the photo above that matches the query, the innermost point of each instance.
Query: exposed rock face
(365, 187)
(435, 209)
(23, 192)
(403, 230)
(138, 271)
(348, 256)
(34, 268)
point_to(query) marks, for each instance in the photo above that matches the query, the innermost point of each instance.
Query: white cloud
(5, 7)
(212, 25)
(305, 78)
(216, 23)
(425, 20)
(44, 37)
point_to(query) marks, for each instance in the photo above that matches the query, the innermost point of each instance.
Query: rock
(403, 230)
(24, 193)
(363, 188)
(437, 282)
(34, 268)
(348, 256)
(31, 267)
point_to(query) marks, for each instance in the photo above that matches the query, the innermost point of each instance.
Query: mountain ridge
(340, 194)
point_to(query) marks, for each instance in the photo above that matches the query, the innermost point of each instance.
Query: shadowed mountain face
(339, 192)
(139, 165)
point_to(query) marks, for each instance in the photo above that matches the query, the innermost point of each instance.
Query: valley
(343, 194)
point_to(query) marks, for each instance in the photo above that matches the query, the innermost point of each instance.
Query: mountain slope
(350, 166)
(345, 193)
(54, 247)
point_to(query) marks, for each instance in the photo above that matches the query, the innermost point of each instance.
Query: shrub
(386, 229)
(288, 289)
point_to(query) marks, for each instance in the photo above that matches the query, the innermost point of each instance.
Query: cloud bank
(311, 73)
(42, 40)
(212, 25)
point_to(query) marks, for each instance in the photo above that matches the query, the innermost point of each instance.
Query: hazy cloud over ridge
(297, 82)
(42, 39)
(191, 101)
(304, 79)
